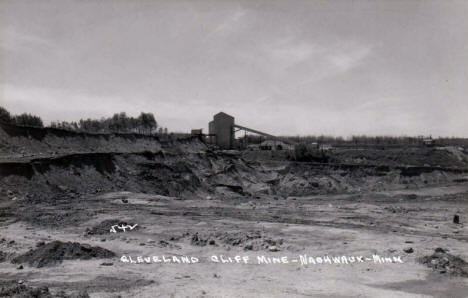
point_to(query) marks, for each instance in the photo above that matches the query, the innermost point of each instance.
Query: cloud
(292, 53)
(295, 67)
(227, 25)
(14, 40)
(304, 61)
(349, 58)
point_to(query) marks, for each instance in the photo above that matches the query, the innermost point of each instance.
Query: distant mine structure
(222, 131)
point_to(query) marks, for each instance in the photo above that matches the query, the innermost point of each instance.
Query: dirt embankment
(188, 168)
(22, 143)
(203, 174)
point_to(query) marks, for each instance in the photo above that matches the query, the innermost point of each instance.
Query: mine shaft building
(223, 127)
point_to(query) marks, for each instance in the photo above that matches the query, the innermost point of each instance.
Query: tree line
(361, 140)
(365, 140)
(145, 123)
(338, 140)
(24, 119)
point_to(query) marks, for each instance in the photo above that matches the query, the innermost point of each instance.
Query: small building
(314, 145)
(428, 142)
(325, 147)
(253, 147)
(275, 145)
(197, 132)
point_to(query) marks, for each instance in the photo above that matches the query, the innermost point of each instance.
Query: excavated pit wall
(17, 142)
(202, 174)
(96, 163)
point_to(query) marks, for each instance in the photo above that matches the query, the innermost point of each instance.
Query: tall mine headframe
(222, 127)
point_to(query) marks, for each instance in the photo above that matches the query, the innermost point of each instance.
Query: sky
(313, 67)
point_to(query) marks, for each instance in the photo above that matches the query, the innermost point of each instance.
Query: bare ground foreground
(113, 215)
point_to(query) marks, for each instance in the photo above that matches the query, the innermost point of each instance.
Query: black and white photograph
(233, 148)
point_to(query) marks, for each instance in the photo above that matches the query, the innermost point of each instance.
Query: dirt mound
(106, 226)
(15, 289)
(255, 240)
(443, 262)
(55, 252)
